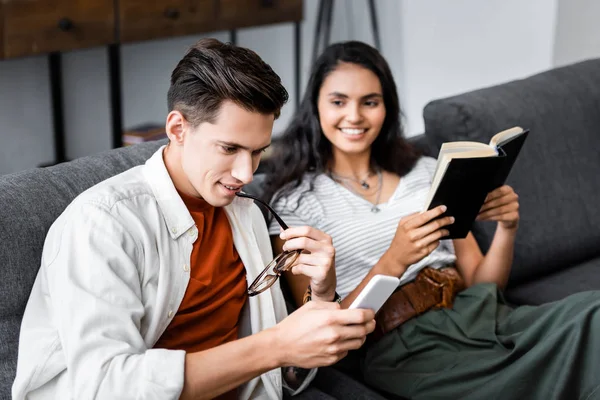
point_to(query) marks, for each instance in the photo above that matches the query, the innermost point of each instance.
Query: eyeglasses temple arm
(277, 217)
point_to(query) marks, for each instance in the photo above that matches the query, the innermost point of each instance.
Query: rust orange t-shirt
(210, 311)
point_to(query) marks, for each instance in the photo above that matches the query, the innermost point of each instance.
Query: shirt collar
(177, 217)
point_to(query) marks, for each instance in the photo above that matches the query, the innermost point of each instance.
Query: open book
(467, 171)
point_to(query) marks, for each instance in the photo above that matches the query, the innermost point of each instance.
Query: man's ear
(176, 126)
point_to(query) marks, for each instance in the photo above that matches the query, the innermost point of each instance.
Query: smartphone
(377, 291)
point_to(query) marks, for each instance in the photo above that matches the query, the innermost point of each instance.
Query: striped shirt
(360, 236)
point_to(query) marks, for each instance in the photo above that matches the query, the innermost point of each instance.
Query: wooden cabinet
(1, 29)
(40, 26)
(244, 13)
(143, 19)
(30, 27)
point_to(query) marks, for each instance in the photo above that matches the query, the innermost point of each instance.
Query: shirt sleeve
(429, 163)
(298, 207)
(289, 216)
(95, 292)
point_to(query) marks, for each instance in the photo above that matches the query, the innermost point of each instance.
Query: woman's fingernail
(451, 220)
(444, 208)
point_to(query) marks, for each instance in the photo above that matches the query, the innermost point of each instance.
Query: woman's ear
(175, 127)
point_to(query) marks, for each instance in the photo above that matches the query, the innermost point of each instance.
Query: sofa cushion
(556, 173)
(31, 201)
(578, 278)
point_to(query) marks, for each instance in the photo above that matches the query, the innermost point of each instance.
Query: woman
(343, 167)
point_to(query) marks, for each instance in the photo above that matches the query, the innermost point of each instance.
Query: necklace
(374, 208)
(362, 182)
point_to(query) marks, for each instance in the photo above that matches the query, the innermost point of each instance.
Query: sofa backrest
(556, 174)
(31, 201)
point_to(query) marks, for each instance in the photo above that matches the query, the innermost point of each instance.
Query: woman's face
(351, 108)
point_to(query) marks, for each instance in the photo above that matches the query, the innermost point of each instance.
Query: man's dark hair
(212, 72)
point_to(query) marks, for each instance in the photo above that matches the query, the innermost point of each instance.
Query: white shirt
(360, 236)
(115, 267)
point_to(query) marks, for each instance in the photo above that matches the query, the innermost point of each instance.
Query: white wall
(25, 119)
(577, 31)
(434, 47)
(451, 47)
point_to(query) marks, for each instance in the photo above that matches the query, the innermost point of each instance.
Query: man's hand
(416, 237)
(316, 261)
(320, 334)
(501, 205)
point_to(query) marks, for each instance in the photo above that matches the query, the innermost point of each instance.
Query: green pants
(483, 349)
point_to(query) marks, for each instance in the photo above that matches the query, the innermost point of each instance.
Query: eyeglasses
(279, 265)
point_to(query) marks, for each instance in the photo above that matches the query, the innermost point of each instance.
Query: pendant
(365, 185)
(375, 209)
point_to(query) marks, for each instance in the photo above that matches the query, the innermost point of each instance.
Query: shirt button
(174, 230)
(170, 314)
(186, 267)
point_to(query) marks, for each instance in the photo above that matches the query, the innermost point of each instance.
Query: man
(142, 288)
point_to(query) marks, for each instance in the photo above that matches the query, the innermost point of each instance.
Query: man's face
(218, 158)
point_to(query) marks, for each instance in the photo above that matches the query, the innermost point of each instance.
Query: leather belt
(431, 289)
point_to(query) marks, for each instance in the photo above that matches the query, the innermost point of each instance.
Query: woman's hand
(317, 260)
(416, 237)
(501, 205)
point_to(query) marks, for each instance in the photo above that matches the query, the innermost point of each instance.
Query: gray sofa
(557, 249)
(557, 174)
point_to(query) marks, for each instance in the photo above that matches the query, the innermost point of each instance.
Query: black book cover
(467, 182)
(511, 149)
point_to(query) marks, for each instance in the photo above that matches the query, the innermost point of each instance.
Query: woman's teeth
(348, 131)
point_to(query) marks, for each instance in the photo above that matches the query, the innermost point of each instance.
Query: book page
(502, 137)
(461, 146)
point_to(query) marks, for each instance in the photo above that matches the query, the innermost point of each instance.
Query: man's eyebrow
(239, 146)
(345, 96)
